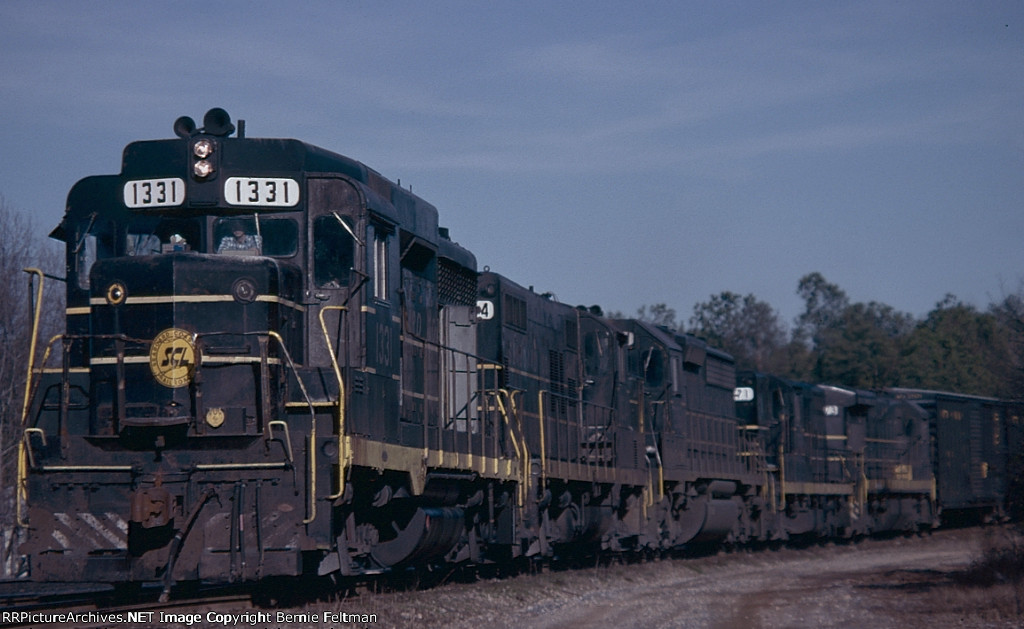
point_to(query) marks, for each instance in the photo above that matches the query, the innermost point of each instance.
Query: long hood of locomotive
(154, 318)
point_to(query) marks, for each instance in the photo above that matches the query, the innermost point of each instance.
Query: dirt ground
(929, 582)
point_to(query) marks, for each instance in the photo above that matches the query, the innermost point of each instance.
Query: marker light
(215, 417)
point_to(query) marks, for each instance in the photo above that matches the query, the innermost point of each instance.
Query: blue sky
(612, 153)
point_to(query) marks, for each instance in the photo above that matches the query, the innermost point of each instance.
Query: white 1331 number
(267, 191)
(145, 193)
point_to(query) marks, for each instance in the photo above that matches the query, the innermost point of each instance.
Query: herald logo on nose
(172, 358)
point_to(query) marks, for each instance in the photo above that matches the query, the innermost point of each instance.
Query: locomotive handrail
(66, 468)
(312, 431)
(656, 452)
(26, 459)
(342, 454)
(37, 307)
(522, 453)
(312, 426)
(862, 486)
(28, 449)
(21, 491)
(543, 449)
(287, 436)
(582, 466)
(31, 387)
(312, 434)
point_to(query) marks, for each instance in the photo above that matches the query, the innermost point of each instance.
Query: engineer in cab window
(239, 240)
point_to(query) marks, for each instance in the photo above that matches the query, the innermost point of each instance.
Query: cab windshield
(240, 235)
(276, 237)
(163, 235)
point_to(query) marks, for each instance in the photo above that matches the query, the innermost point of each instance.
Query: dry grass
(987, 593)
(994, 584)
(1002, 559)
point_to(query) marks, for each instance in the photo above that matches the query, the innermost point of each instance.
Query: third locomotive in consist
(277, 363)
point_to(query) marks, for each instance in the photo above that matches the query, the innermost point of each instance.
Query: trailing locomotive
(276, 363)
(841, 462)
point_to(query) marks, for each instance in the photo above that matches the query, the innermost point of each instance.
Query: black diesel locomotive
(276, 363)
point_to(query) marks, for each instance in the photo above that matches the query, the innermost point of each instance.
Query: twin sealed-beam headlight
(202, 169)
(203, 149)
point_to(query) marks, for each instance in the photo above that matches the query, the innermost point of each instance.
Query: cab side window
(85, 257)
(596, 349)
(94, 242)
(654, 368)
(379, 237)
(333, 251)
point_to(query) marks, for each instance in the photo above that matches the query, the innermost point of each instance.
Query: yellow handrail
(342, 453)
(21, 491)
(24, 451)
(521, 451)
(32, 343)
(287, 436)
(312, 426)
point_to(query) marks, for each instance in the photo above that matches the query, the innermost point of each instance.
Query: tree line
(955, 347)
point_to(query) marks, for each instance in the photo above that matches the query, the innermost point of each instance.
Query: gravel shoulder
(926, 582)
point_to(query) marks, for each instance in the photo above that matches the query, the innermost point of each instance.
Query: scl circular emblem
(172, 358)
